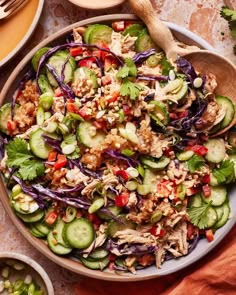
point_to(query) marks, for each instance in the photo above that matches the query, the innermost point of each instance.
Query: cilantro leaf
(199, 215)
(130, 89)
(31, 169)
(228, 14)
(225, 173)
(17, 152)
(166, 66)
(195, 163)
(128, 70)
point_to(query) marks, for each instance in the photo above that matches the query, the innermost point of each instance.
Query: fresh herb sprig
(230, 15)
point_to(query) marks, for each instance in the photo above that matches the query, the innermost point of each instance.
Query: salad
(109, 151)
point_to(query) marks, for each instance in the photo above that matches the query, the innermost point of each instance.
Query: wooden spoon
(203, 61)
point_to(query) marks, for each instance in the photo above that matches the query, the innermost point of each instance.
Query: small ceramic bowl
(96, 4)
(31, 268)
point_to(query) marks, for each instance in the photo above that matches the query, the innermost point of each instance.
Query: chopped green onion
(40, 116)
(51, 127)
(156, 216)
(47, 115)
(68, 149)
(16, 190)
(127, 152)
(71, 213)
(131, 185)
(132, 172)
(96, 205)
(143, 189)
(46, 101)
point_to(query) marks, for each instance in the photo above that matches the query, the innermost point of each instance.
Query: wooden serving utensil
(204, 61)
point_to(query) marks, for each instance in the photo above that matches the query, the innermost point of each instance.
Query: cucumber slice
(33, 217)
(151, 178)
(58, 63)
(42, 228)
(98, 254)
(87, 33)
(133, 30)
(114, 226)
(38, 54)
(211, 217)
(100, 264)
(89, 136)
(37, 144)
(144, 42)
(5, 116)
(219, 211)
(225, 216)
(218, 196)
(161, 164)
(195, 201)
(233, 159)
(213, 180)
(44, 85)
(24, 204)
(79, 233)
(99, 34)
(185, 156)
(216, 150)
(182, 92)
(229, 107)
(55, 247)
(58, 232)
(36, 233)
(90, 75)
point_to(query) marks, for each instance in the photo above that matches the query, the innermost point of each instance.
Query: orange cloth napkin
(215, 274)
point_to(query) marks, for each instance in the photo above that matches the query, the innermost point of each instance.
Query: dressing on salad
(109, 150)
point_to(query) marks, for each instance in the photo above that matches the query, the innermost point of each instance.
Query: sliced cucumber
(5, 116)
(37, 144)
(58, 232)
(44, 85)
(228, 105)
(219, 211)
(88, 73)
(114, 226)
(151, 178)
(33, 217)
(144, 42)
(36, 233)
(185, 155)
(216, 150)
(225, 216)
(99, 34)
(38, 54)
(182, 92)
(218, 196)
(133, 30)
(213, 180)
(24, 204)
(42, 227)
(87, 33)
(59, 63)
(232, 158)
(98, 254)
(88, 135)
(79, 233)
(195, 201)
(211, 217)
(55, 247)
(100, 264)
(159, 165)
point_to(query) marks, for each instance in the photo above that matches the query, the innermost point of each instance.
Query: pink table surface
(200, 16)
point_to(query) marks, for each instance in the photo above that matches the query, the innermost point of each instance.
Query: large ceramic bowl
(168, 267)
(31, 267)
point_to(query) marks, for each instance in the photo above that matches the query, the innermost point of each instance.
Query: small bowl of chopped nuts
(20, 274)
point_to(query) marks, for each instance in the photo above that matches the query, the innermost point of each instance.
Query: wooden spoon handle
(160, 33)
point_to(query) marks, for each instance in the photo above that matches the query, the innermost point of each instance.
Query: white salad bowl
(171, 266)
(31, 267)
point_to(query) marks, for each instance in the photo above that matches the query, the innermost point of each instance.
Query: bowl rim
(97, 5)
(32, 263)
(41, 246)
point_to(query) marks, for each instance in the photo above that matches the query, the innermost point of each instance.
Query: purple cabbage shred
(142, 56)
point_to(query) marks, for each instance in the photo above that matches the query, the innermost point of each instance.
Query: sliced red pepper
(71, 107)
(174, 116)
(209, 235)
(114, 97)
(110, 61)
(87, 62)
(118, 26)
(74, 51)
(123, 174)
(112, 257)
(168, 151)
(58, 92)
(162, 188)
(61, 162)
(154, 231)
(52, 156)
(51, 217)
(206, 178)
(191, 191)
(198, 149)
(85, 113)
(183, 114)
(206, 190)
(190, 230)
(122, 200)
(11, 125)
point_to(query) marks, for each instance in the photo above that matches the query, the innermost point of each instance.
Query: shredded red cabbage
(186, 68)
(117, 155)
(54, 143)
(142, 56)
(149, 97)
(160, 78)
(83, 169)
